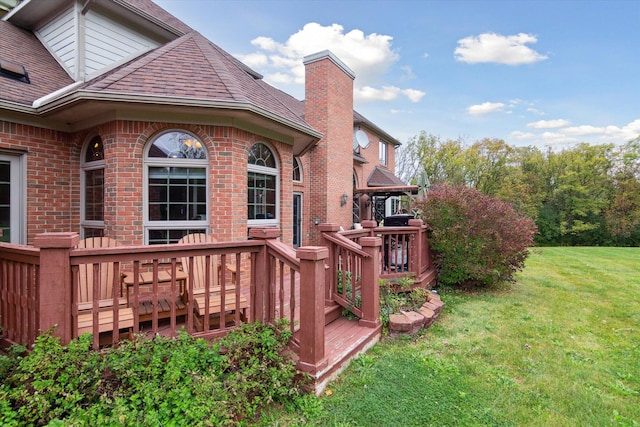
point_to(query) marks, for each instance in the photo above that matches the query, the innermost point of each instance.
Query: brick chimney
(329, 109)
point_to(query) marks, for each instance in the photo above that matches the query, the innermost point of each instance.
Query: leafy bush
(149, 381)
(477, 239)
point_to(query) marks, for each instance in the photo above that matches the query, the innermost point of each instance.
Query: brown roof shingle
(45, 74)
(194, 68)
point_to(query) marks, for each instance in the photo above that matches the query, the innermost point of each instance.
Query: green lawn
(561, 347)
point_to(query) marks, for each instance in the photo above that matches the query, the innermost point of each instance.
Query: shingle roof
(154, 11)
(209, 74)
(381, 177)
(45, 74)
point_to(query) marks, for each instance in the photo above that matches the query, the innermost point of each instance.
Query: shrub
(477, 239)
(149, 382)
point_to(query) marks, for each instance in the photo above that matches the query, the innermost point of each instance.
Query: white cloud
(370, 56)
(563, 134)
(485, 108)
(386, 93)
(584, 130)
(557, 138)
(492, 47)
(414, 95)
(255, 60)
(408, 73)
(536, 111)
(522, 135)
(549, 124)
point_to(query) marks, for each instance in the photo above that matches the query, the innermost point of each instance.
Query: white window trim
(147, 162)
(85, 167)
(18, 179)
(383, 148)
(266, 171)
(297, 160)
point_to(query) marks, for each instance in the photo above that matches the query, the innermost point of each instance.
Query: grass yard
(561, 347)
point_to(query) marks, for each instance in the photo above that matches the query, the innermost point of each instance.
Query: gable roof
(183, 75)
(211, 76)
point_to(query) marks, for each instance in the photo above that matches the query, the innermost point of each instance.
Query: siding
(60, 38)
(108, 42)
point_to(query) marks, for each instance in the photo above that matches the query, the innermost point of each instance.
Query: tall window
(297, 170)
(92, 215)
(176, 200)
(13, 197)
(262, 186)
(383, 153)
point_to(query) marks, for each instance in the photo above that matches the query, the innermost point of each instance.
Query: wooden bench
(216, 311)
(145, 304)
(105, 321)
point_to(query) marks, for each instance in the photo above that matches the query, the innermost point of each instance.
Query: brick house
(118, 119)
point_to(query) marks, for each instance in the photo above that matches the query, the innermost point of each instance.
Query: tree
(622, 216)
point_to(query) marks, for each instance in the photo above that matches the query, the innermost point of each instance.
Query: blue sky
(541, 73)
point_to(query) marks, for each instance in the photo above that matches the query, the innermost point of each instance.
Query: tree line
(586, 195)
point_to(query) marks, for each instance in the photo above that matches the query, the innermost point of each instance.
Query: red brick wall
(49, 178)
(329, 109)
(53, 177)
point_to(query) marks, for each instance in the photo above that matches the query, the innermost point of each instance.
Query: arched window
(92, 183)
(175, 197)
(262, 186)
(297, 170)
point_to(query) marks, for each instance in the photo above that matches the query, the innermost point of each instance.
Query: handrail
(340, 240)
(284, 253)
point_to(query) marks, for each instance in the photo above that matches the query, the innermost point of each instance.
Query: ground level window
(262, 186)
(92, 215)
(13, 198)
(176, 190)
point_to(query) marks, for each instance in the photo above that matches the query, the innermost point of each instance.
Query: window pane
(95, 150)
(297, 174)
(261, 155)
(157, 237)
(177, 145)
(177, 194)
(94, 195)
(262, 197)
(93, 232)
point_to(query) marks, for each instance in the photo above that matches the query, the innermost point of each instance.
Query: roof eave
(376, 129)
(90, 95)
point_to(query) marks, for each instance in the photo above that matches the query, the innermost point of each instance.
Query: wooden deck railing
(152, 291)
(352, 274)
(39, 289)
(19, 275)
(405, 251)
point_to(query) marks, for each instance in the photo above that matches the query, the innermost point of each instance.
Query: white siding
(60, 37)
(108, 42)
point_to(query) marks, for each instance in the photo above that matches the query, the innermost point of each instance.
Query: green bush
(477, 239)
(149, 382)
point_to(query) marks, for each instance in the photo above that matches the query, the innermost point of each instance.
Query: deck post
(312, 281)
(369, 224)
(370, 286)
(416, 261)
(262, 275)
(54, 301)
(331, 262)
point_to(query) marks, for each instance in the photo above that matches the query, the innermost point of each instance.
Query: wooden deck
(344, 341)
